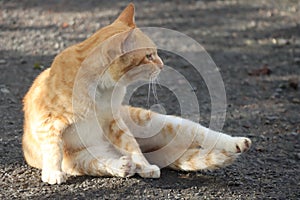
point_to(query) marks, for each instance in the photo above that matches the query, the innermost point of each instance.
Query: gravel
(240, 36)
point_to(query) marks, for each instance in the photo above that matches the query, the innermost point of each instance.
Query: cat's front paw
(150, 171)
(125, 167)
(53, 176)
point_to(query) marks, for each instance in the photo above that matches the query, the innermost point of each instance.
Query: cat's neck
(109, 94)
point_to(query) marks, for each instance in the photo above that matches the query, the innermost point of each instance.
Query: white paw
(150, 171)
(53, 176)
(241, 144)
(124, 167)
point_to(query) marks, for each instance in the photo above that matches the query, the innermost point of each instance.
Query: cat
(71, 128)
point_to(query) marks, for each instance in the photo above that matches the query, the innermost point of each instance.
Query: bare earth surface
(255, 44)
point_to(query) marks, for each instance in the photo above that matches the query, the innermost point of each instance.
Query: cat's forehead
(136, 40)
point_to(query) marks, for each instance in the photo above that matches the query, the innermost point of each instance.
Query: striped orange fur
(71, 127)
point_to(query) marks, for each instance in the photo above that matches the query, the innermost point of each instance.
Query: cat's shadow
(169, 179)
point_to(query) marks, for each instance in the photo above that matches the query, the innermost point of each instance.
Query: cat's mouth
(155, 74)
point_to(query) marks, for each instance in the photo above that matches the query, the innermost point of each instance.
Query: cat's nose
(159, 62)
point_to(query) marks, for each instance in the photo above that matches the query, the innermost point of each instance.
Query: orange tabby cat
(71, 126)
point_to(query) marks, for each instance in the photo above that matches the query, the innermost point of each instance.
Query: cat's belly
(83, 134)
(83, 141)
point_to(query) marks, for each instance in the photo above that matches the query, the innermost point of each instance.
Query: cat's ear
(127, 16)
(128, 42)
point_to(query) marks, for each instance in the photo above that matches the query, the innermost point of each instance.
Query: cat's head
(128, 55)
(138, 60)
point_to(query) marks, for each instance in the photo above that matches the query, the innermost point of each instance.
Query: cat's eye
(149, 56)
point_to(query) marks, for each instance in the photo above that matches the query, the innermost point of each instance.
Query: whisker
(150, 88)
(149, 92)
(154, 90)
(158, 83)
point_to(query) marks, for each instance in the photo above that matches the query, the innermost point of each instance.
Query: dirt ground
(255, 44)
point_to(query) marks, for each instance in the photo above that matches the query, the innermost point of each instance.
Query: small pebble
(272, 117)
(292, 134)
(297, 60)
(278, 90)
(259, 148)
(235, 183)
(2, 61)
(56, 46)
(293, 84)
(298, 156)
(5, 90)
(275, 95)
(280, 41)
(282, 86)
(296, 100)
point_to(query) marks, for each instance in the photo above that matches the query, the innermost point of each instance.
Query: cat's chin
(151, 78)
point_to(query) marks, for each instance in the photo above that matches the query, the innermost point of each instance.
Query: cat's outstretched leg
(214, 157)
(199, 159)
(100, 160)
(184, 136)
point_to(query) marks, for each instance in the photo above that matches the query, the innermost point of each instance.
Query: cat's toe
(124, 167)
(151, 171)
(242, 144)
(128, 167)
(53, 176)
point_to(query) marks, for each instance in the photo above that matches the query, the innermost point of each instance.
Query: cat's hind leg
(212, 154)
(186, 144)
(98, 161)
(199, 159)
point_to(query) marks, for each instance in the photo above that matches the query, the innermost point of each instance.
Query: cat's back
(36, 90)
(31, 101)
